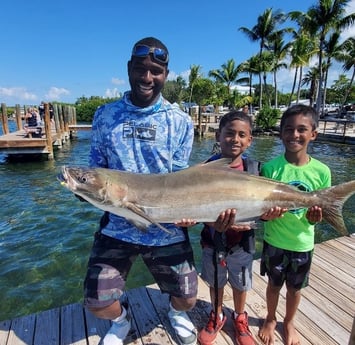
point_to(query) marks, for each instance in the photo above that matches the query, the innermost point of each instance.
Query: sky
(63, 50)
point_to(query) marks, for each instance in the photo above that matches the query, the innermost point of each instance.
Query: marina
(53, 132)
(41, 237)
(325, 315)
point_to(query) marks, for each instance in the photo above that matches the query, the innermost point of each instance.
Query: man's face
(147, 78)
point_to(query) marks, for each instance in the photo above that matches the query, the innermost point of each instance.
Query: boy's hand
(226, 220)
(314, 214)
(186, 222)
(274, 212)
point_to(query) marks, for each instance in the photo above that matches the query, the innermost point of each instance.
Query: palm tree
(331, 49)
(266, 25)
(195, 73)
(348, 58)
(311, 78)
(251, 67)
(266, 66)
(228, 74)
(280, 49)
(322, 19)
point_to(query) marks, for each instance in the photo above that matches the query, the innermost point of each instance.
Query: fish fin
(336, 196)
(138, 211)
(221, 162)
(253, 224)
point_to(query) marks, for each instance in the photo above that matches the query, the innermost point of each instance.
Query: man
(141, 133)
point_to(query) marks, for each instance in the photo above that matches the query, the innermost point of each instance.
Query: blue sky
(62, 50)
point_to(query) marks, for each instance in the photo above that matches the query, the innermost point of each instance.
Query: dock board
(325, 316)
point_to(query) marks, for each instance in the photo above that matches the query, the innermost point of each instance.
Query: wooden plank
(72, 325)
(347, 243)
(22, 330)
(96, 328)
(150, 327)
(332, 292)
(4, 331)
(334, 271)
(336, 258)
(47, 327)
(202, 310)
(352, 334)
(259, 288)
(325, 314)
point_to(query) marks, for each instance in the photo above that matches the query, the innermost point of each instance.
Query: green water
(46, 233)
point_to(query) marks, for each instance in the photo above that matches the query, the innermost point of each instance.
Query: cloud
(117, 81)
(112, 93)
(55, 93)
(18, 93)
(185, 75)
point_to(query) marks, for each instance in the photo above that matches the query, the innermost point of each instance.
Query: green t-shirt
(293, 231)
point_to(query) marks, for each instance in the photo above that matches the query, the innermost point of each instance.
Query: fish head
(92, 184)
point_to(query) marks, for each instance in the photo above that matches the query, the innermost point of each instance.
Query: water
(46, 233)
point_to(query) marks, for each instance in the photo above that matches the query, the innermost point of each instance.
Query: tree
(173, 90)
(262, 31)
(86, 107)
(332, 49)
(279, 49)
(228, 74)
(311, 78)
(251, 67)
(195, 73)
(340, 87)
(320, 20)
(347, 56)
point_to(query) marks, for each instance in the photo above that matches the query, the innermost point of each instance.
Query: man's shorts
(286, 266)
(172, 267)
(238, 271)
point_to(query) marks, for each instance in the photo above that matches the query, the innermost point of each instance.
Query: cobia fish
(200, 192)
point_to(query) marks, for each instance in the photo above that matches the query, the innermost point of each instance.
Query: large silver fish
(200, 192)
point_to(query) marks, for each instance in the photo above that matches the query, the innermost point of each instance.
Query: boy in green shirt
(289, 236)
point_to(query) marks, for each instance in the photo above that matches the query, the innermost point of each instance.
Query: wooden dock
(55, 132)
(325, 316)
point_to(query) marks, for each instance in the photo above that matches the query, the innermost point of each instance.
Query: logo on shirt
(303, 187)
(140, 131)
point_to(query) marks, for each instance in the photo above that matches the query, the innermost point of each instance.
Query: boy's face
(297, 132)
(234, 138)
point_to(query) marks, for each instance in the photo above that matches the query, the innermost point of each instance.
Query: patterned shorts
(171, 266)
(238, 271)
(286, 266)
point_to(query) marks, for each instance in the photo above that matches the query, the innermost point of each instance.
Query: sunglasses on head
(159, 54)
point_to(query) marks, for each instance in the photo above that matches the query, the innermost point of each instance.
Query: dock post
(4, 119)
(48, 131)
(18, 117)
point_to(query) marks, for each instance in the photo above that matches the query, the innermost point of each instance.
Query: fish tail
(334, 199)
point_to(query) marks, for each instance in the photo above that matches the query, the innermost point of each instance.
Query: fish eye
(83, 179)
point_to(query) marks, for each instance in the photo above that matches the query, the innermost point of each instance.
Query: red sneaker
(208, 334)
(243, 335)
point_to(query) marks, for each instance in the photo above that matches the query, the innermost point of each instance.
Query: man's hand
(274, 212)
(226, 221)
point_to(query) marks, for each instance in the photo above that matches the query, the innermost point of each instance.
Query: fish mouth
(62, 178)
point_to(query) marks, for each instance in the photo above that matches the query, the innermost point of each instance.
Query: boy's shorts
(238, 271)
(286, 266)
(110, 261)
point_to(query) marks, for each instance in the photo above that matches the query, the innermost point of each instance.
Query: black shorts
(286, 266)
(172, 267)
